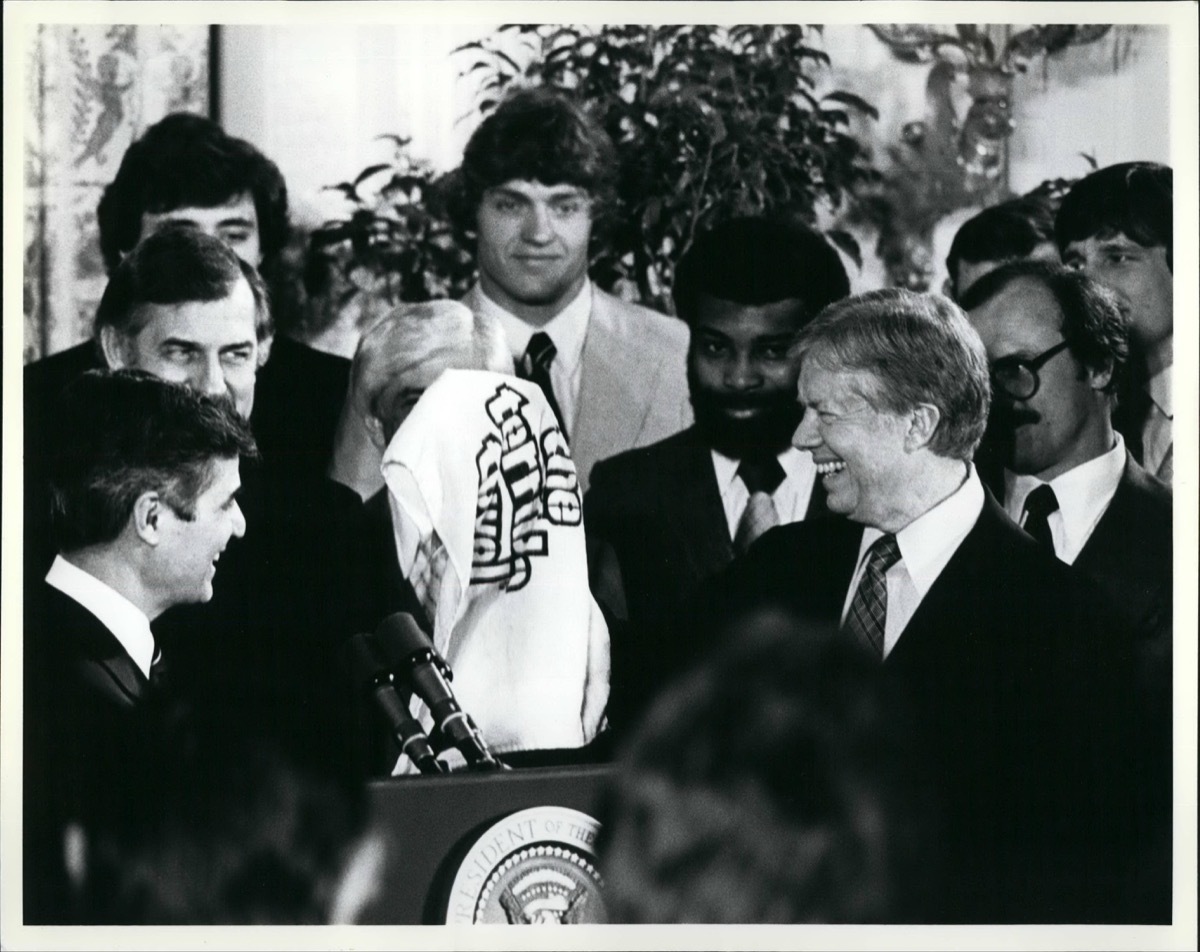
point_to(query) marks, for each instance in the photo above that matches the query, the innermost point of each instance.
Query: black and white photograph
(698, 473)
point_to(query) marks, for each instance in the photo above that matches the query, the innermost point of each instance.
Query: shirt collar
(927, 543)
(567, 329)
(726, 467)
(1082, 493)
(128, 623)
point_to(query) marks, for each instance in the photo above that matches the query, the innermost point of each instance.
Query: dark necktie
(1038, 506)
(159, 672)
(762, 477)
(535, 367)
(867, 618)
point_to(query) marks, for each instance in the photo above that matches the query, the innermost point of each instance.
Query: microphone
(409, 651)
(369, 668)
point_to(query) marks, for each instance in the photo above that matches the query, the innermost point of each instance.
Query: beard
(767, 433)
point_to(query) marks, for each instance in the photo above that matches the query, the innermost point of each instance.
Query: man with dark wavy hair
(537, 181)
(144, 490)
(1116, 225)
(186, 170)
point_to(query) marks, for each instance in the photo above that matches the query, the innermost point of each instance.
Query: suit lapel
(613, 390)
(692, 501)
(103, 661)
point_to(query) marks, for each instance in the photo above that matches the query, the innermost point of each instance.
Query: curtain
(91, 91)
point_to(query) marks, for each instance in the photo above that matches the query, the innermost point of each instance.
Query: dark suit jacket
(86, 709)
(1129, 552)
(657, 510)
(1018, 683)
(297, 400)
(286, 598)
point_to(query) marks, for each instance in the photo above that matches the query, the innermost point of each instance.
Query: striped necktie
(867, 618)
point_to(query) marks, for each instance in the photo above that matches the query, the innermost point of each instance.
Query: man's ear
(112, 345)
(147, 511)
(375, 432)
(923, 422)
(1101, 377)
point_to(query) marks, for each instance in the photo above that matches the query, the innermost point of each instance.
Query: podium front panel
(431, 824)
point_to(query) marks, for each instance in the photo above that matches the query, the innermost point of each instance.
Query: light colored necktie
(762, 478)
(867, 618)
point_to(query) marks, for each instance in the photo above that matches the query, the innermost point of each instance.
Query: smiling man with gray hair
(1017, 680)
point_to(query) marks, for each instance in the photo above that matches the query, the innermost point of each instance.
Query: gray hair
(920, 349)
(443, 332)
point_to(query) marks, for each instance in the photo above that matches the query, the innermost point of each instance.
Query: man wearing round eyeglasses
(1058, 342)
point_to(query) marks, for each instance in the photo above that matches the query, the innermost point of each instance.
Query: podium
(468, 845)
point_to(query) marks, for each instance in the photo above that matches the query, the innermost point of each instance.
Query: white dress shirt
(791, 497)
(567, 330)
(926, 545)
(128, 623)
(1156, 435)
(1083, 494)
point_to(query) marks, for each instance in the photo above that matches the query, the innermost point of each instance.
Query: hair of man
(184, 161)
(226, 823)
(536, 134)
(176, 265)
(1093, 321)
(919, 349)
(126, 432)
(1133, 199)
(777, 782)
(416, 336)
(1009, 230)
(756, 260)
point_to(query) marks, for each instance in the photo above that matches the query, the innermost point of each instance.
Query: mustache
(757, 401)
(1009, 416)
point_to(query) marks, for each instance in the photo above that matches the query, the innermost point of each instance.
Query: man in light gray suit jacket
(536, 185)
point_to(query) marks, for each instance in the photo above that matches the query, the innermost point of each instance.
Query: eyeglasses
(1017, 377)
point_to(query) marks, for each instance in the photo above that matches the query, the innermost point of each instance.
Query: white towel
(481, 462)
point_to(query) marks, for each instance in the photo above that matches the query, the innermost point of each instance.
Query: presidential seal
(534, 866)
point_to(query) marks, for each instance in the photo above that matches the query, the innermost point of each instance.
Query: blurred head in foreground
(777, 783)
(225, 825)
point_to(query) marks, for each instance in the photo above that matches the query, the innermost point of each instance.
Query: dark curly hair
(186, 160)
(538, 134)
(1093, 319)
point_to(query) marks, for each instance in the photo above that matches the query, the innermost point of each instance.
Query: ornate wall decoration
(955, 156)
(92, 90)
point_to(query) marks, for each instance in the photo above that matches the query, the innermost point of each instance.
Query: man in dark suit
(184, 307)
(1015, 676)
(144, 490)
(186, 169)
(677, 511)
(1053, 422)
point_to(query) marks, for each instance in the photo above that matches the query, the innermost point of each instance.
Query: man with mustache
(1057, 342)
(680, 510)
